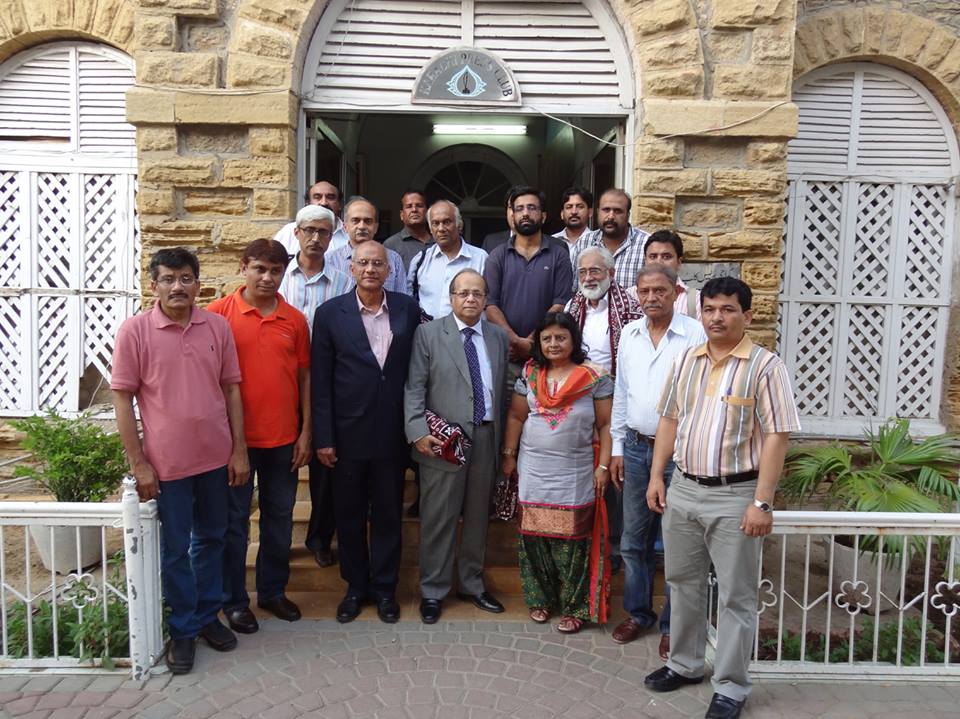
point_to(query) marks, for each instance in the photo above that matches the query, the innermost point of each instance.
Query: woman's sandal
(569, 625)
(540, 615)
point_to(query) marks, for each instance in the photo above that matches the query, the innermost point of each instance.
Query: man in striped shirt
(307, 284)
(726, 414)
(623, 240)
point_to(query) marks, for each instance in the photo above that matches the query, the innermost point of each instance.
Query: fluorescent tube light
(445, 129)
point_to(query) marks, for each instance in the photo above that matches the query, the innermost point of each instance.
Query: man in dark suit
(458, 371)
(361, 349)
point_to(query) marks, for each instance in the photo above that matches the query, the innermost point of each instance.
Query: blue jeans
(277, 491)
(193, 515)
(640, 529)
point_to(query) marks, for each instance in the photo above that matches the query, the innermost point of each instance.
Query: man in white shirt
(432, 269)
(645, 356)
(576, 209)
(327, 195)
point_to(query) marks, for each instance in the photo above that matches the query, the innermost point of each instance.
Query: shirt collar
(245, 307)
(435, 250)
(461, 325)
(160, 320)
(383, 304)
(741, 351)
(601, 305)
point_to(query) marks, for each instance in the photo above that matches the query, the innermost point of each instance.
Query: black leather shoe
(388, 610)
(722, 707)
(281, 608)
(242, 620)
(180, 654)
(429, 610)
(325, 557)
(349, 608)
(666, 680)
(218, 636)
(485, 601)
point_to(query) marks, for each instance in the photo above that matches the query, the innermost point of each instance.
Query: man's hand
(301, 451)
(616, 472)
(148, 487)
(520, 348)
(238, 468)
(756, 523)
(327, 456)
(426, 444)
(656, 495)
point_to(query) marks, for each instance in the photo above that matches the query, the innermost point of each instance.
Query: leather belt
(484, 423)
(644, 438)
(724, 480)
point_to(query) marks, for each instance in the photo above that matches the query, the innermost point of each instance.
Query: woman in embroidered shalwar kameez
(561, 403)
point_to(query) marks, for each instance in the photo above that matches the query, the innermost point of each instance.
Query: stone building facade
(216, 109)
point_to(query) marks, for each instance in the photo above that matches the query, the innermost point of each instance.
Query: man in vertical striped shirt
(307, 284)
(726, 414)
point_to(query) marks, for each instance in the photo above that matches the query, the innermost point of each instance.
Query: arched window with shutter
(869, 249)
(69, 265)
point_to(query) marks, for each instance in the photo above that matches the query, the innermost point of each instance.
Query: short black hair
(567, 322)
(728, 286)
(583, 192)
(666, 237)
(266, 250)
(175, 258)
(413, 191)
(618, 191)
(508, 198)
(521, 190)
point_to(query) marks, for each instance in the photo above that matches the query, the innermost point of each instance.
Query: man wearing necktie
(458, 371)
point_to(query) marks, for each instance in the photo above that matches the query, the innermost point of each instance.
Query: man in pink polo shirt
(180, 363)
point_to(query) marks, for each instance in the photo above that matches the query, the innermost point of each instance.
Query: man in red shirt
(180, 363)
(273, 344)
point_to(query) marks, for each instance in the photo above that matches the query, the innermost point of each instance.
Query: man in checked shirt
(726, 414)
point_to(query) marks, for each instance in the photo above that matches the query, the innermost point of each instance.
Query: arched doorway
(571, 65)
(869, 249)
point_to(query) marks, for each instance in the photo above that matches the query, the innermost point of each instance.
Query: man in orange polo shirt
(273, 344)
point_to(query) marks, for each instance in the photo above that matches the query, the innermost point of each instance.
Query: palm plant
(895, 475)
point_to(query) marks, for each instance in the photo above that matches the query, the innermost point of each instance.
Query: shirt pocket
(739, 412)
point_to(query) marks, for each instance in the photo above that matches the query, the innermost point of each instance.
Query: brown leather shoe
(628, 630)
(664, 649)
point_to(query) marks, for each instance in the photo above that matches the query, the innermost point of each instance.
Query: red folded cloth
(455, 440)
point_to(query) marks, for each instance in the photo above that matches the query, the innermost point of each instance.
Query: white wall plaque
(466, 76)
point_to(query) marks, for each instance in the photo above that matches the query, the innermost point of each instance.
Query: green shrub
(77, 461)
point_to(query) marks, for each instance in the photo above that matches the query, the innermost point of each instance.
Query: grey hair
(655, 268)
(467, 271)
(604, 253)
(456, 211)
(316, 213)
(358, 198)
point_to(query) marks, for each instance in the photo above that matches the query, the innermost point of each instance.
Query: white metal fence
(870, 610)
(80, 586)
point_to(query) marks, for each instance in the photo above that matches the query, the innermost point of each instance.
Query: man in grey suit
(458, 371)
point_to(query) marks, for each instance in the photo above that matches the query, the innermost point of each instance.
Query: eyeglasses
(376, 264)
(314, 231)
(464, 294)
(591, 272)
(184, 280)
(528, 208)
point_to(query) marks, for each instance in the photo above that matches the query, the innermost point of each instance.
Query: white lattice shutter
(869, 249)
(68, 243)
(562, 52)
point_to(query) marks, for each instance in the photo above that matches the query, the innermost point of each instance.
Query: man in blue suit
(362, 343)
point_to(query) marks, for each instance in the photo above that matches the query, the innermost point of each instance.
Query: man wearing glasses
(309, 282)
(180, 362)
(527, 277)
(361, 349)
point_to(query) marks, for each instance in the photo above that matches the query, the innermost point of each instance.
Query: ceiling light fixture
(446, 129)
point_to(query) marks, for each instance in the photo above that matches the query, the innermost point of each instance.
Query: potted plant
(891, 473)
(76, 461)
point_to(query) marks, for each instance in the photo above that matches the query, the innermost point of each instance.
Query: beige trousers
(701, 525)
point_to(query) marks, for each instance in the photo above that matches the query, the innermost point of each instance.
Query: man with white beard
(602, 308)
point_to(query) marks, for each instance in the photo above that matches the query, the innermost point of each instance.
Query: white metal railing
(827, 609)
(59, 617)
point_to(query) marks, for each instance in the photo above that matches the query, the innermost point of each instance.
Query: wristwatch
(762, 506)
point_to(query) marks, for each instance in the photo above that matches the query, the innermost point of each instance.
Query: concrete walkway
(481, 669)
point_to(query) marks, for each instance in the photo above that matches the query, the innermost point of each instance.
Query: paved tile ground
(454, 669)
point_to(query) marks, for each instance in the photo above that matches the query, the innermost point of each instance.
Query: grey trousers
(442, 497)
(702, 525)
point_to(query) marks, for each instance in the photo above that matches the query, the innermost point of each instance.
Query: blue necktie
(473, 363)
